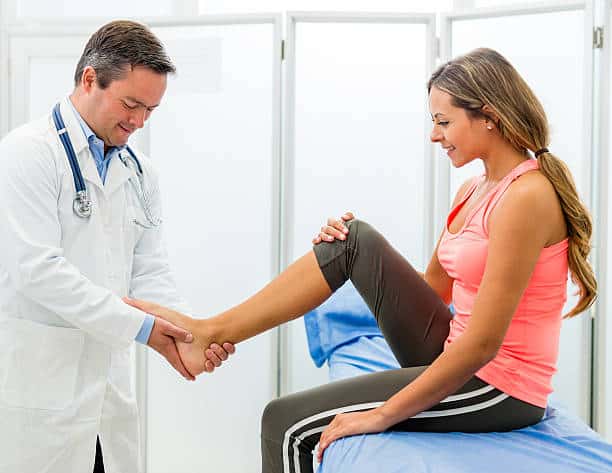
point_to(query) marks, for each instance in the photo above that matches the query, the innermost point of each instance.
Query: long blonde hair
(484, 77)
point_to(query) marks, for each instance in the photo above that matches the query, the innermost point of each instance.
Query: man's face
(123, 107)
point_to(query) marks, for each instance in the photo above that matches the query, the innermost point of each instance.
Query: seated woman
(502, 260)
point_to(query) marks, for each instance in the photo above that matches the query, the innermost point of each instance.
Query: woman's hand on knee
(334, 229)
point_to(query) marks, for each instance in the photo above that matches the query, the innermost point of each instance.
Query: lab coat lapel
(89, 169)
(118, 174)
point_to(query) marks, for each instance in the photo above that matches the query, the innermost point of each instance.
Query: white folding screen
(553, 63)
(215, 144)
(356, 139)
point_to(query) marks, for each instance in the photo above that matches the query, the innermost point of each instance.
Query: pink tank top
(526, 361)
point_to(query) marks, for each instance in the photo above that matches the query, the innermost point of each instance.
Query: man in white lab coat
(66, 377)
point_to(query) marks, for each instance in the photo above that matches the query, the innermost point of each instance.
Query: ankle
(209, 331)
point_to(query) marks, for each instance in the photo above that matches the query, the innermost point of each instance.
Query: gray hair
(118, 46)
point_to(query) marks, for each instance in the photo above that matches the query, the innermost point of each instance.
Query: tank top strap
(471, 188)
(526, 166)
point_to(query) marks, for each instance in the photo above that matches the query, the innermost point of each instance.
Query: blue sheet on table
(343, 332)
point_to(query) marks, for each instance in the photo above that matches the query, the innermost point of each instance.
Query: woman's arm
(435, 275)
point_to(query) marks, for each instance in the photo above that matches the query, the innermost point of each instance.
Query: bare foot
(192, 354)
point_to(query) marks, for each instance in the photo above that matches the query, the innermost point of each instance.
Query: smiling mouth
(127, 130)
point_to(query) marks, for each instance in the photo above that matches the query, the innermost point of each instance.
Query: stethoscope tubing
(79, 182)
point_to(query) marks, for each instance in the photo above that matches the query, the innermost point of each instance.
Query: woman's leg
(415, 323)
(414, 320)
(412, 317)
(292, 425)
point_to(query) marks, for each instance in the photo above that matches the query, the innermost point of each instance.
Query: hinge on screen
(598, 37)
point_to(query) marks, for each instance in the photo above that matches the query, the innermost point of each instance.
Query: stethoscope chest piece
(82, 204)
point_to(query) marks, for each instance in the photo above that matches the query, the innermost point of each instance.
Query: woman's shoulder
(531, 197)
(532, 188)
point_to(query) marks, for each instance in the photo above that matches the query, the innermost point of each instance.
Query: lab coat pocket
(38, 364)
(134, 223)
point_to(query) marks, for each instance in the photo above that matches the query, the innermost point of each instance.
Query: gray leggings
(415, 323)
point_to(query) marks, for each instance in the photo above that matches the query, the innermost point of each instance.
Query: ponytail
(579, 230)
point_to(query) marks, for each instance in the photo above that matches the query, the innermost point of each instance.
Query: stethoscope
(82, 203)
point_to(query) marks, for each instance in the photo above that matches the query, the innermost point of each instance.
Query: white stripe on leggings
(459, 397)
(373, 405)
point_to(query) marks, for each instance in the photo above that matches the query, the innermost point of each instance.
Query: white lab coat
(65, 335)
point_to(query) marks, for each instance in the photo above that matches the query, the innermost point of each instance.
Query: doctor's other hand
(164, 339)
(334, 229)
(196, 356)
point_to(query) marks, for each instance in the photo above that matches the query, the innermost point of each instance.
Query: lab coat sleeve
(30, 251)
(152, 278)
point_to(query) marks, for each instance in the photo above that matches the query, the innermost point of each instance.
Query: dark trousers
(99, 464)
(415, 323)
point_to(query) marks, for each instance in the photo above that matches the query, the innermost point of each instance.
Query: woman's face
(464, 138)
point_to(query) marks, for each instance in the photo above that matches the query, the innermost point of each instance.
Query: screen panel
(359, 143)
(211, 141)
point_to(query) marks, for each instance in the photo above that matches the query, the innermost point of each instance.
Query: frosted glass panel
(211, 140)
(108, 8)
(360, 137)
(552, 64)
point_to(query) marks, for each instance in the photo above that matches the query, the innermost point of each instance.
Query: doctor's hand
(334, 229)
(163, 339)
(352, 423)
(205, 353)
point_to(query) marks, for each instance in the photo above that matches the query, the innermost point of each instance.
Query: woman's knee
(362, 233)
(273, 417)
